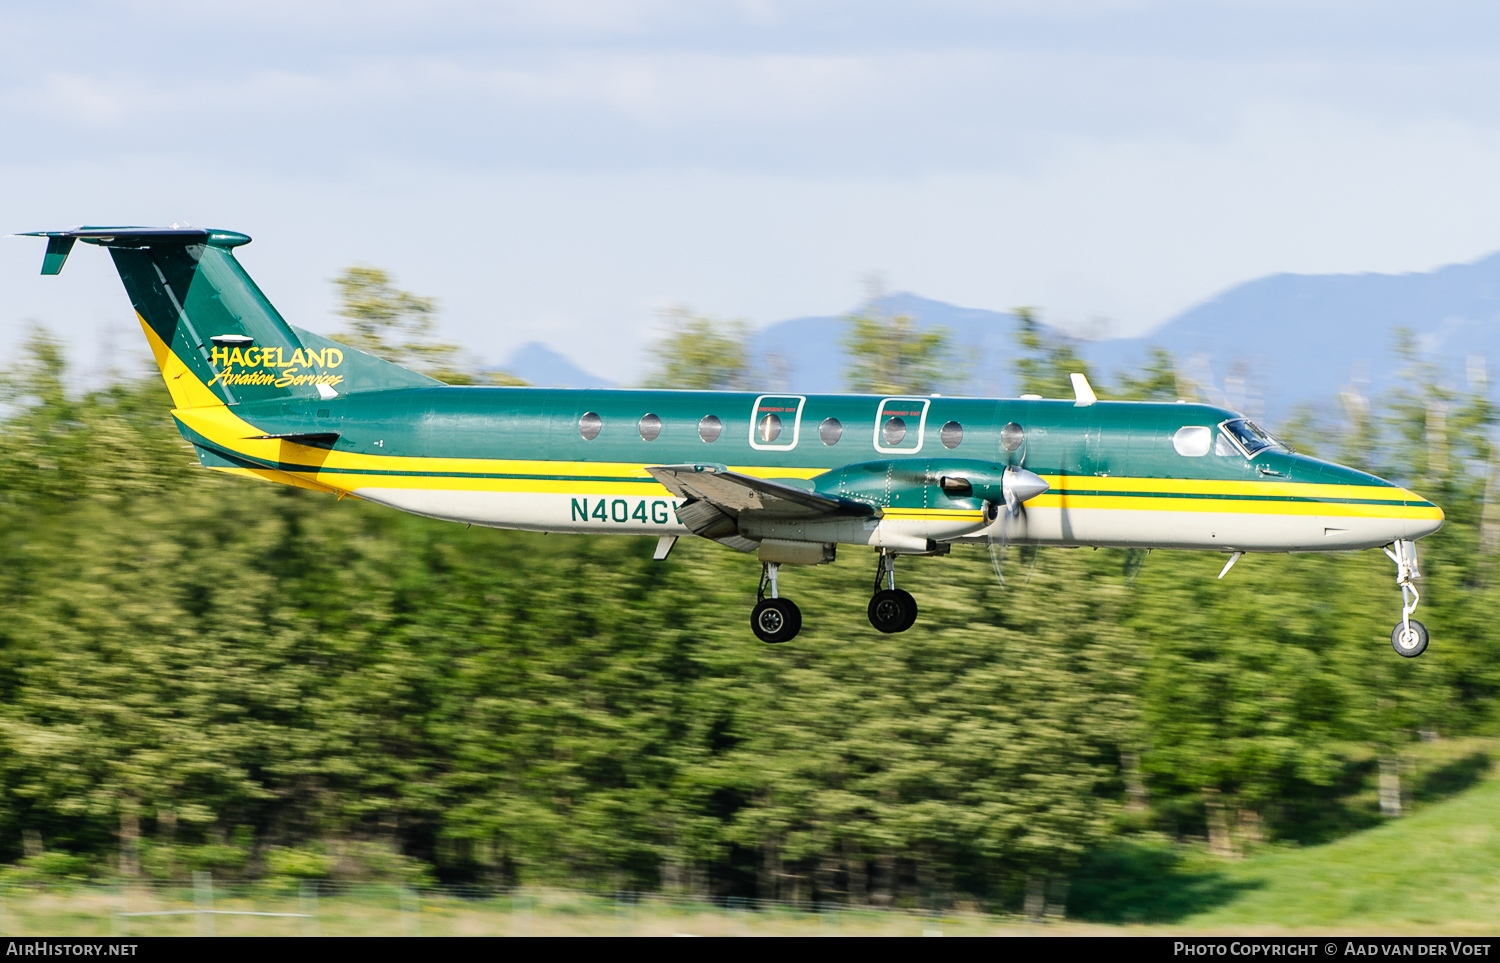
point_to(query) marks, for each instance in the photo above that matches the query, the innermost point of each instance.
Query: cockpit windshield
(1252, 437)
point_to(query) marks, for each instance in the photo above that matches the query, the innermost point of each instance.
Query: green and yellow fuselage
(258, 397)
(516, 458)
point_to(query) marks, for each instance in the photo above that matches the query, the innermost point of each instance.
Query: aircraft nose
(1387, 511)
(1419, 516)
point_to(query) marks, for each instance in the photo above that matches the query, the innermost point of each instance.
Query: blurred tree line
(204, 672)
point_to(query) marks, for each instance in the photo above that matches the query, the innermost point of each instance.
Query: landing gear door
(776, 422)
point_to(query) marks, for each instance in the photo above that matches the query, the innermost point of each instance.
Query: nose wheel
(891, 609)
(1409, 637)
(774, 619)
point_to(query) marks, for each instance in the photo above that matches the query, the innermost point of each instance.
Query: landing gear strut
(1409, 637)
(891, 609)
(774, 619)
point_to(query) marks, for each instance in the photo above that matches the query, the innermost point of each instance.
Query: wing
(715, 497)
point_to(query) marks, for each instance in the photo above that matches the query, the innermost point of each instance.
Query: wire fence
(204, 906)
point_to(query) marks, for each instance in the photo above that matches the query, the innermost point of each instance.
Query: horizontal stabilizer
(60, 243)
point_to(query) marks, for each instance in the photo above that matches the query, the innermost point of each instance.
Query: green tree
(400, 327)
(700, 353)
(187, 676)
(1157, 380)
(1047, 358)
(893, 354)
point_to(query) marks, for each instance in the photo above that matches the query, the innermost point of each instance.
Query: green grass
(1435, 870)
(1437, 867)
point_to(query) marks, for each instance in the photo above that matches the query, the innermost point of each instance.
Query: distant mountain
(539, 365)
(1264, 346)
(1290, 338)
(805, 354)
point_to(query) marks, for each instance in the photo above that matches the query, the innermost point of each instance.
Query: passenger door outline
(755, 414)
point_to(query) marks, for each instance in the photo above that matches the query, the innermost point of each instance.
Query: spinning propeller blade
(1017, 487)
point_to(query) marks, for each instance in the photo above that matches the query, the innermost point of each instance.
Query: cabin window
(830, 431)
(649, 427)
(768, 429)
(893, 431)
(952, 434)
(1011, 436)
(709, 429)
(1193, 440)
(590, 425)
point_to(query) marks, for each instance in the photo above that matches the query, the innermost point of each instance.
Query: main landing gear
(1409, 637)
(891, 609)
(774, 619)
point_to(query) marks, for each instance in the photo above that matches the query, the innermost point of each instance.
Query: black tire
(776, 620)
(892, 610)
(1416, 644)
(911, 609)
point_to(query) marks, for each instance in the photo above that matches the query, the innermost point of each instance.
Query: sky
(561, 171)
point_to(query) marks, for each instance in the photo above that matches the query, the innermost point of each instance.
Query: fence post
(520, 919)
(203, 901)
(308, 906)
(411, 912)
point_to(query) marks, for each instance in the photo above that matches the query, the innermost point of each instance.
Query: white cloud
(1097, 159)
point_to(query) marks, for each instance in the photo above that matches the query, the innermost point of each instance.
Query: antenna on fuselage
(1083, 392)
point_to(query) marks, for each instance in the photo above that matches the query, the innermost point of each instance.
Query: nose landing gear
(1409, 637)
(891, 609)
(774, 619)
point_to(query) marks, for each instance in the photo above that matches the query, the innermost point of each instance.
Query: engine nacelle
(934, 483)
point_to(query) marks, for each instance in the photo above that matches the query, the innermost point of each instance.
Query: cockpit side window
(1251, 438)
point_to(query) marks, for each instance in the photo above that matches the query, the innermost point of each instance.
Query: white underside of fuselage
(1226, 531)
(1198, 530)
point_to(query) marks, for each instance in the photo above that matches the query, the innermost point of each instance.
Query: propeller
(1017, 487)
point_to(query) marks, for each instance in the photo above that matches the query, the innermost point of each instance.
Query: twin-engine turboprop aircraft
(788, 477)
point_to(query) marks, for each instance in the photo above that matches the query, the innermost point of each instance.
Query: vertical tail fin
(216, 338)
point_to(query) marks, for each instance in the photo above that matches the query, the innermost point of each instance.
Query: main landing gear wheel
(893, 610)
(1409, 638)
(776, 620)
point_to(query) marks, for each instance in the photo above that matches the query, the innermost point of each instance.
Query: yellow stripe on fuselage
(1238, 505)
(200, 409)
(935, 513)
(1209, 486)
(280, 477)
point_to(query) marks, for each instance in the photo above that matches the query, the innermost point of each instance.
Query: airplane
(787, 476)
